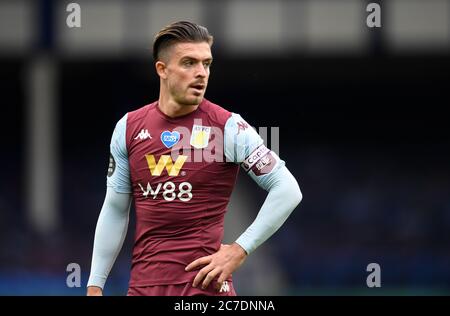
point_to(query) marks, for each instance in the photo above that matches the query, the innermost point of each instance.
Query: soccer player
(178, 159)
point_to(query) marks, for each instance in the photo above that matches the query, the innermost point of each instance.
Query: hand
(223, 263)
(94, 291)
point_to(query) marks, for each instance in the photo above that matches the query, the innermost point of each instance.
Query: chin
(193, 100)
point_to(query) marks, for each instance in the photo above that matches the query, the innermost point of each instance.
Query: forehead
(199, 51)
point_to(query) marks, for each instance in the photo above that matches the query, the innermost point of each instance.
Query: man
(178, 158)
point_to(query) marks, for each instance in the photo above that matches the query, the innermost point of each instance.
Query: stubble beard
(189, 100)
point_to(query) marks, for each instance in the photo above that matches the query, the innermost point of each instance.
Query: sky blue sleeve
(240, 139)
(119, 170)
(284, 195)
(110, 233)
(244, 146)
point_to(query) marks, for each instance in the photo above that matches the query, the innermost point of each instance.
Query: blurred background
(361, 124)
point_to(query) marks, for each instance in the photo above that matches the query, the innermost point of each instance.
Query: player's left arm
(243, 145)
(283, 196)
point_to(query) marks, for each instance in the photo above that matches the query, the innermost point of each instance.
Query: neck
(173, 109)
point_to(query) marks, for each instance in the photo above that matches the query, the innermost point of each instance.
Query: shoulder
(140, 113)
(130, 122)
(215, 112)
(238, 126)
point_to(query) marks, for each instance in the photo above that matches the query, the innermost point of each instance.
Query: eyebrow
(193, 58)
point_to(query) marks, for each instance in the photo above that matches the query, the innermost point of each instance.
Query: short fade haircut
(180, 32)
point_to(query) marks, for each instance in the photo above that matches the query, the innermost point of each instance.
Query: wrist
(94, 291)
(240, 250)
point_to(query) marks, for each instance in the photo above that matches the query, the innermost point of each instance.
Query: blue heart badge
(169, 139)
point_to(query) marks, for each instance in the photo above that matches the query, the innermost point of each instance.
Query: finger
(198, 262)
(201, 274)
(223, 276)
(209, 277)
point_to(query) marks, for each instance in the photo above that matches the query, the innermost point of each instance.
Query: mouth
(198, 86)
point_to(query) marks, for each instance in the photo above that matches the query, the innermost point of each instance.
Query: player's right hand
(94, 291)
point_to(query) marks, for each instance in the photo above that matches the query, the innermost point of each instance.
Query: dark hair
(179, 32)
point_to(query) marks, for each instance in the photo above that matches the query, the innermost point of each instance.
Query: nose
(201, 71)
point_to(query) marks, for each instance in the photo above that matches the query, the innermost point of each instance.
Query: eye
(207, 64)
(188, 62)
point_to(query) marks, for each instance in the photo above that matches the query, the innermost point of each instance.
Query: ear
(161, 69)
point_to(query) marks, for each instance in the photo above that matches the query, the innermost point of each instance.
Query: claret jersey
(181, 172)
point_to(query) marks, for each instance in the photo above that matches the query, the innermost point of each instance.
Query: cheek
(179, 76)
(180, 80)
(176, 79)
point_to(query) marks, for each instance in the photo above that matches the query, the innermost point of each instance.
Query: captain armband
(261, 161)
